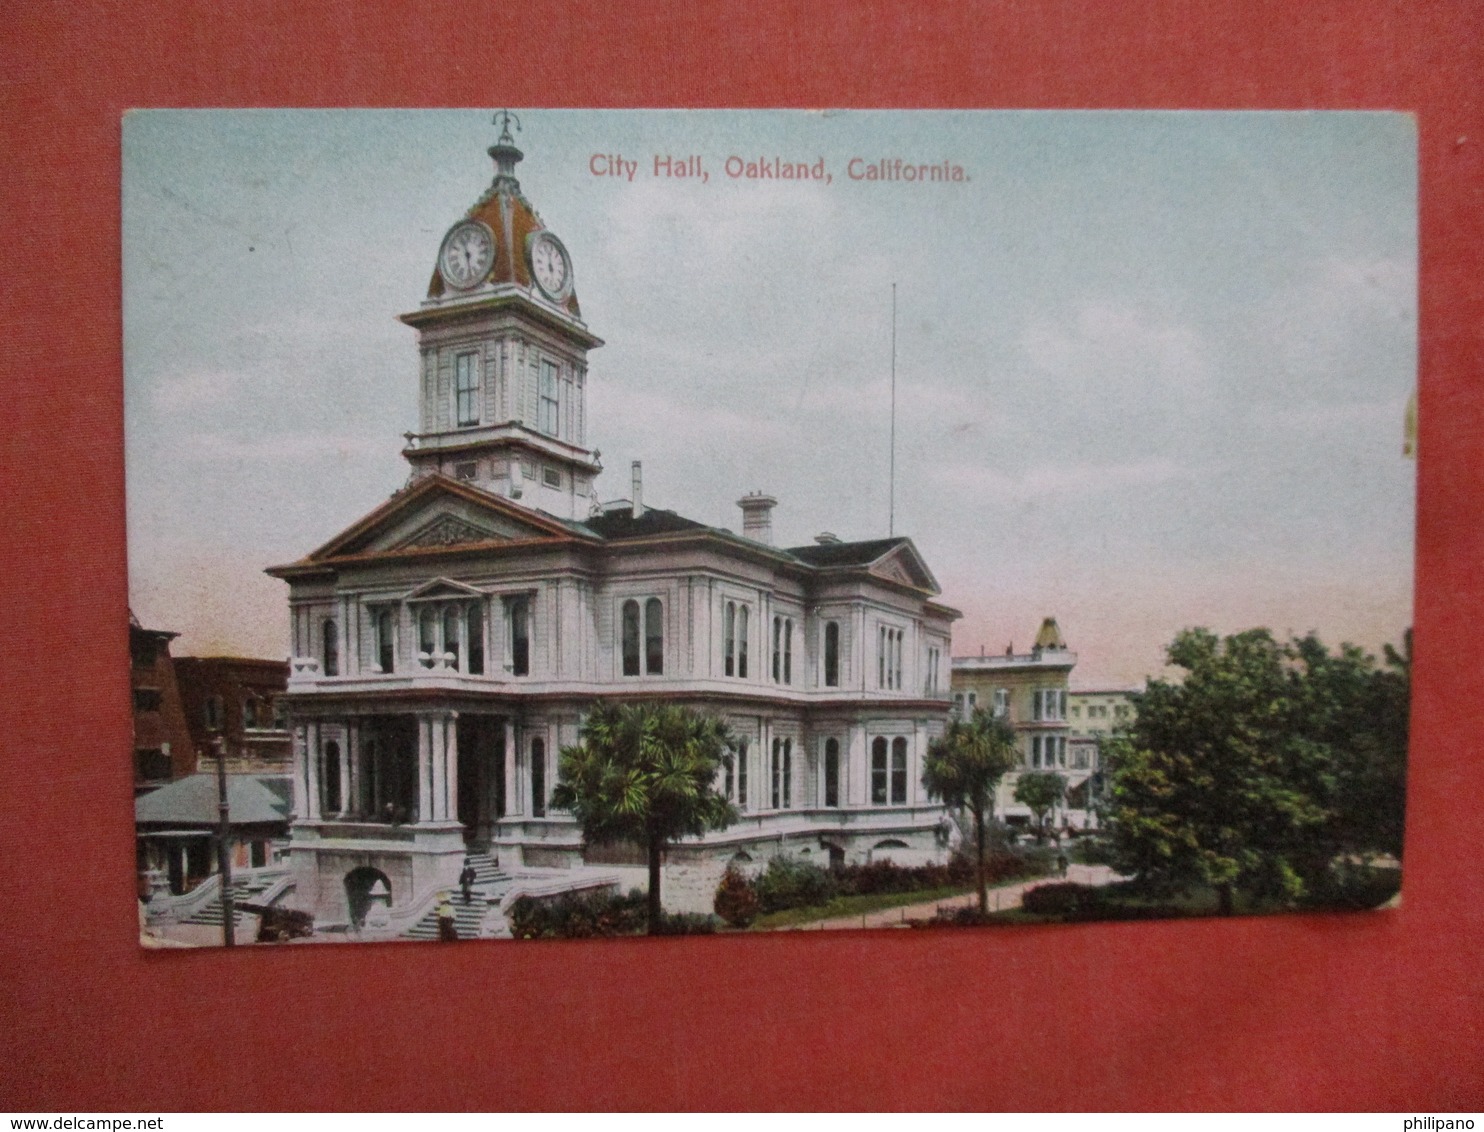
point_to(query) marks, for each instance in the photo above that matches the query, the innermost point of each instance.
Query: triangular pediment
(903, 565)
(437, 513)
(443, 588)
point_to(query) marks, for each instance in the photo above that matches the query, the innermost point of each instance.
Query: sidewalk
(1000, 899)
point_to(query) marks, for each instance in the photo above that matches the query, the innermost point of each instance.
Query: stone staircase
(248, 888)
(490, 884)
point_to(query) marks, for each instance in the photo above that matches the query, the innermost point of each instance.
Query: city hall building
(447, 645)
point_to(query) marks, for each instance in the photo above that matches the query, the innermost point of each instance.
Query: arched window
(451, 634)
(538, 778)
(782, 769)
(788, 650)
(728, 780)
(385, 643)
(832, 772)
(777, 649)
(332, 648)
(832, 654)
(427, 638)
(250, 712)
(742, 642)
(654, 637)
(729, 633)
(474, 624)
(631, 638)
(518, 618)
(898, 771)
(878, 772)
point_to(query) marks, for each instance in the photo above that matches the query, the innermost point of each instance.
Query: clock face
(550, 267)
(468, 254)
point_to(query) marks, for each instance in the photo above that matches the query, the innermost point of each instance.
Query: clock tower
(503, 382)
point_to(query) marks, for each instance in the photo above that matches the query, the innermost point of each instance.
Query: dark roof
(845, 553)
(193, 801)
(621, 524)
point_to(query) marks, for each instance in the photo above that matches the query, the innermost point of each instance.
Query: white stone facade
(447, 645)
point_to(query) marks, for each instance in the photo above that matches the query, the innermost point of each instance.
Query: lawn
(842, 906)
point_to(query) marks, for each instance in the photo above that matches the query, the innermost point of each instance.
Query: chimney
(757, 517)
(638, 470)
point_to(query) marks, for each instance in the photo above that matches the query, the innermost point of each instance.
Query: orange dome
(512, 221)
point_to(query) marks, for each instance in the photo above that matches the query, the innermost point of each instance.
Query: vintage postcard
(585, 523)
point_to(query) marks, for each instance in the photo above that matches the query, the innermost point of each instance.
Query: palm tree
(645, 773)
(964, 765)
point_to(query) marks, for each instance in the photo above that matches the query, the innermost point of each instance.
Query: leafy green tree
(963, 766)
(1039, 790)
(645, 773)
(1260, 768)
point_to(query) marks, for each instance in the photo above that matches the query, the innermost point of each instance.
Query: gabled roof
(893, 559)
(472, 516)
(193, 802)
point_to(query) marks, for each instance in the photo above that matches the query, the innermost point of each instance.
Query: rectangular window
(777, 649)
(466, 470)
(538, 778)
(211, 713)
(931, 684)
(782, 774)
(788, 650)
(1002, 702)
(551, 477)
(958, 703)
(547, 420)
(151, 764)
(466, 388)
(147, 699)
(518, 618)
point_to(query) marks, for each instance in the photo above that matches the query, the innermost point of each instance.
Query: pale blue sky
(1151, 367)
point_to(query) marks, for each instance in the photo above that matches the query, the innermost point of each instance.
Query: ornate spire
(505, 153)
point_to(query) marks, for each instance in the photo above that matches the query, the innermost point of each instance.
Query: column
(424, 769)
(856, 773)
(346, 754)
(311, 769)
(354, 802)
(451, 766)
(301, 771)
(512, 770)
(438, 733)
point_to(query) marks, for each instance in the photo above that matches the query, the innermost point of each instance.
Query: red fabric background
(1373, 1011)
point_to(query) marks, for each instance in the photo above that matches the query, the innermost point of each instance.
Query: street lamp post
(223, 851)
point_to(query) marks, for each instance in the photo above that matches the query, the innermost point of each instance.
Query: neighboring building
(175, 827)
(1093, 714)
(162, 742)
(1031, 691)
(237, 700)
(447, 645)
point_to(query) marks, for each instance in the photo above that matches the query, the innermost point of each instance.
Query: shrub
(579, 916)
(686, 923)
(790, 883)
(736, 898)
(1078, 901)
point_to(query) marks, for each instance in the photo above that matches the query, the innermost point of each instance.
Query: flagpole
(891, 516)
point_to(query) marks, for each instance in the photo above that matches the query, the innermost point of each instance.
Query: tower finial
(503, 118)
(505, 153)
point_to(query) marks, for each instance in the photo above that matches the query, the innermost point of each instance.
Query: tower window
(551, 477)
(548, 410)
(466, 470)
(466, 388)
